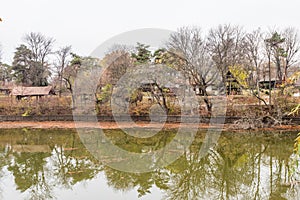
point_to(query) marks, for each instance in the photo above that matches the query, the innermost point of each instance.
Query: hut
(265, 84)
(233, 86)
(20, 92)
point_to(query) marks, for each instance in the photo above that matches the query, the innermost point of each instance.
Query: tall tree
(224, 45)
(88, 70)
(189, 45)
(21, 65)
(275, 42)
(63, 56)
(291, 48)
(40, 47)
(252, 49)
(268, 52)
(70, 72)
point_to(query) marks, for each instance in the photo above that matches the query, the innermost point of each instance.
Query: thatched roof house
(21, 91)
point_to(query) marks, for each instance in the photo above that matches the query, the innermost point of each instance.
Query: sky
(87, 24)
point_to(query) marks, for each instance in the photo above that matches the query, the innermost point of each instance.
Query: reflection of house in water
(20, 92)
(31, 148)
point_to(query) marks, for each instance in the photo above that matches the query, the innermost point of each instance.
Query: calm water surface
(54, 164)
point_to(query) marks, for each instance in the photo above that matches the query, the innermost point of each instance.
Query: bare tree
(291, 48)
(252, 49)
(189, 45)
(224, 44)
(40, 47)
(120, 47)
(63, 56)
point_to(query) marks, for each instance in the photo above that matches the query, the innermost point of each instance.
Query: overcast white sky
(86, 24)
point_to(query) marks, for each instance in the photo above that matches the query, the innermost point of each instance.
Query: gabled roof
(30, 91)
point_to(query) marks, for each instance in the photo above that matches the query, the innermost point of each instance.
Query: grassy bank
(236, 105)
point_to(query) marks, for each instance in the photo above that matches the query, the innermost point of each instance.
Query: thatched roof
(31, 91)
(6, 85)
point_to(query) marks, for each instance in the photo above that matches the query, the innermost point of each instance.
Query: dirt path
(104, 125)
(113, 125)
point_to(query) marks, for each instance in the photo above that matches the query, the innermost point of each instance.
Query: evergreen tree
(143, 54)
(21, 65)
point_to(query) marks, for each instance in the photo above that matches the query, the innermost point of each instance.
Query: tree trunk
(270, 88)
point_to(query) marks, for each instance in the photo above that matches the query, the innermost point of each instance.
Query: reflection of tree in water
(189, 181)
(210, 177)
(66, 163)
(241, 166)
(4, 160)
(230, 163)
(71, 162)
(29, 168)
(29, 172)
(127, 181)
(278, 157)
(232, 170)
(143, 182)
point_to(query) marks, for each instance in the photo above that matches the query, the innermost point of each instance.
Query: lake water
(54, 164)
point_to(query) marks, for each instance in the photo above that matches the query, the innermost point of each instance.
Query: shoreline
(114, 125)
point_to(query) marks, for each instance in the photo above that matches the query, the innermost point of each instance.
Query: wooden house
(232, 84)
(20, 92)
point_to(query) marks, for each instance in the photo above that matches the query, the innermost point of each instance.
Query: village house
(21, 92)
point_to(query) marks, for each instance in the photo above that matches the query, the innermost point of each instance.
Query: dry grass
(53, 105)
